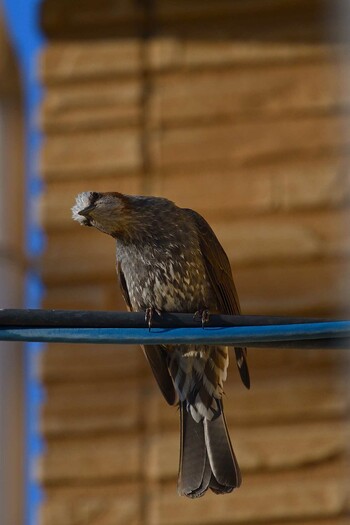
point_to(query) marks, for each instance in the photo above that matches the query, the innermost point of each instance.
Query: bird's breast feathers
(167, 280)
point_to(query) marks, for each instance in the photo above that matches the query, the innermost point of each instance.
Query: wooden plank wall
(237, 110)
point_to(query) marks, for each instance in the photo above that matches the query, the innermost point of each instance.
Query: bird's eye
(93, 197)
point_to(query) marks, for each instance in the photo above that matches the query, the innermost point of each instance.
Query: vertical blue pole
(22, 21)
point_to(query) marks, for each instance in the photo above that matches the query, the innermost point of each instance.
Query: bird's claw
(203, 315)
(148, 317)
(149, 314)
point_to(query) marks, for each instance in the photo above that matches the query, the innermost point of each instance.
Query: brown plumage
(169, 259)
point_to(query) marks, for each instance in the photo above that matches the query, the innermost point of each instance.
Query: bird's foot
(203, 315)
(149, 315)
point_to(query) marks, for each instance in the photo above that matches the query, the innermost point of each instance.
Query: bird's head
(108, 212)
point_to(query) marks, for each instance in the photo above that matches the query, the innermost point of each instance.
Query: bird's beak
(86, 211)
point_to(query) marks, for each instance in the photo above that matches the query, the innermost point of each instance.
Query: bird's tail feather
(206, 456)
(242, 364)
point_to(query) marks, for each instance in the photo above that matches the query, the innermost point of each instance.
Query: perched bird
(169, 260)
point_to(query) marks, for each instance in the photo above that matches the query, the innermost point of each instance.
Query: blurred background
(12, 274)
(238, 110)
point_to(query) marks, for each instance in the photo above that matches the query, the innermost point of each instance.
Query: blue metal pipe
(238, 335)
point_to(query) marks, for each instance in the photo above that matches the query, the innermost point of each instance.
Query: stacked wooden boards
(237, 110)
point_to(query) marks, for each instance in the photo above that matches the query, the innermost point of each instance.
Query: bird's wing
(156, 354)
(220, 276)
(123, 286)
(158, 359)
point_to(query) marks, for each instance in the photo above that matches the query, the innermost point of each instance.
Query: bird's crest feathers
(82, 201)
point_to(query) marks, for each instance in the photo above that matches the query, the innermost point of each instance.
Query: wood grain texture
(94, 106)
(287, 184)
(89, 364)
(84, 60)
(103, 505)
(103, 152)
(89, 19)
(171, 52)
(247, 142)
(295, 287)
(94, 460)
(266, 91)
